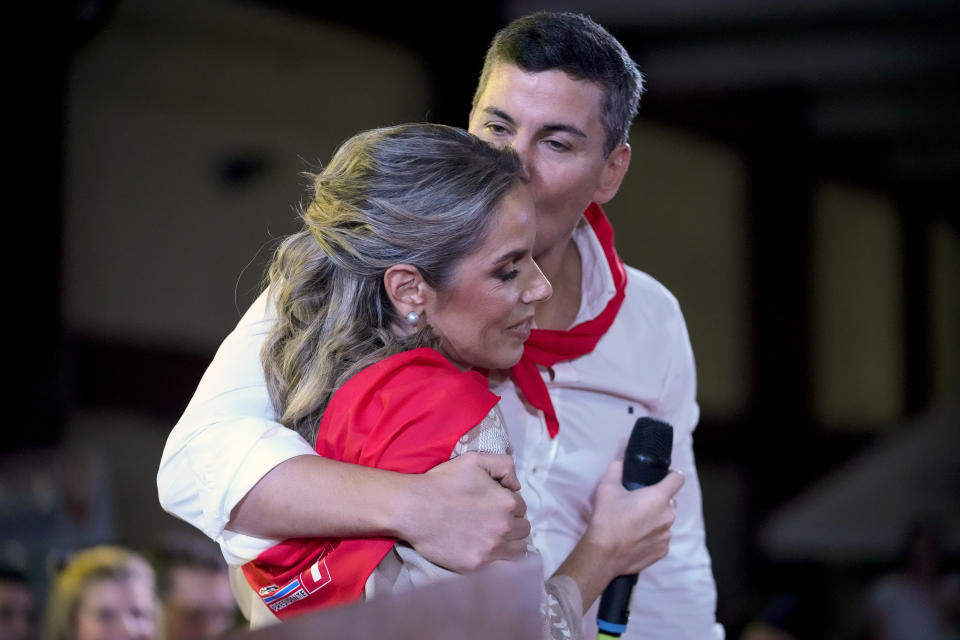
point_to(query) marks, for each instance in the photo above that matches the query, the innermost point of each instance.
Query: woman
(414, 267)
(101, 594)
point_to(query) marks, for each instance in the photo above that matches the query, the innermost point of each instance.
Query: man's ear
(614, 170)
(406, 289)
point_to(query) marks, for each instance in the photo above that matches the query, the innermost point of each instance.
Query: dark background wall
(793, 183)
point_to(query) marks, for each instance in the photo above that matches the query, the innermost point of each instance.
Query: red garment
(404, 413)
(547, 347)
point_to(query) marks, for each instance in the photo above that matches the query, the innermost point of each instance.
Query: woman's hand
(628, 532)
(633, 526)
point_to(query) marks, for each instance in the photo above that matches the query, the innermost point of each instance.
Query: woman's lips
(522, 329)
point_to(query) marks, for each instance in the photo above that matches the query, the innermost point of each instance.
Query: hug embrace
(447, 298)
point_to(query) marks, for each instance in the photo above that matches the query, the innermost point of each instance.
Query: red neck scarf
(547, 347)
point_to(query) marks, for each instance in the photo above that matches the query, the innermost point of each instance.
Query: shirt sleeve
(678, 401)
(563, 608)
(228, 437)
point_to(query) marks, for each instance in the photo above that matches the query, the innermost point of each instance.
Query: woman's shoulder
(401, 409)
(421, 376)
(423, 367)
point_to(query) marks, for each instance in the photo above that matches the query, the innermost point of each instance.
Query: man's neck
(563, 269)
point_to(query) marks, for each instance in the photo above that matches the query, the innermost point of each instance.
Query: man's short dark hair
(14, 576)
(177, 550)
(582, 49)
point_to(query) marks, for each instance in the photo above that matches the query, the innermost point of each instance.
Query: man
(562, 91)
(611, 346)
(194, 588)
(17, 606)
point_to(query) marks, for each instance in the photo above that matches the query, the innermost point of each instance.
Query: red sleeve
(404, 413)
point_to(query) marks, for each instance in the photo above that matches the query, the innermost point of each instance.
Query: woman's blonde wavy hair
(84, 569)
(418, 194)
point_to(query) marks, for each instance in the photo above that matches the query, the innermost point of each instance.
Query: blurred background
(794, 183)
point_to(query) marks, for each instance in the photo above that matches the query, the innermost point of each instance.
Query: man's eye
(106, 616)
(556, 145)
(496, 129)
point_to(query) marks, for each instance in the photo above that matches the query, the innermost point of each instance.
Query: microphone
(645, 462)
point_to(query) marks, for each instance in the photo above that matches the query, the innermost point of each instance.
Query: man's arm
(229, 464)
(628, 532)
(458, 515)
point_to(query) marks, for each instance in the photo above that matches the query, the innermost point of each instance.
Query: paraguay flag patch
(309, 581)
(286, 596)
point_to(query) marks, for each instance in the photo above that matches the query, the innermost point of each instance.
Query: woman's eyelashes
(507, 274)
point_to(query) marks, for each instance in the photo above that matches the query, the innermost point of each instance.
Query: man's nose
(137, 627)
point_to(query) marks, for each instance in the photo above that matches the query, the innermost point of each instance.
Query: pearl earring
(413, 317)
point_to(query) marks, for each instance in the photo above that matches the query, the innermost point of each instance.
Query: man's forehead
(187, 573)
(542, 98)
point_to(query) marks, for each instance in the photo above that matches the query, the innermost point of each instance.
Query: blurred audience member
(786, 616)
(17, 606)
(103, 593)
(194, 588)
(760, 630)
(917, 601)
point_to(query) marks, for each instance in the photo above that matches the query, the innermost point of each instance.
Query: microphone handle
(614, 607)
(646, 461)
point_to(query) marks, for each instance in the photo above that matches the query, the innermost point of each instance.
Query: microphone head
(647, 458)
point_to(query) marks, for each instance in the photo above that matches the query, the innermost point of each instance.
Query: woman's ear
(407, 289)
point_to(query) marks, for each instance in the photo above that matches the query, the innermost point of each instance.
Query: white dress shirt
(642, 366)
(228, 439)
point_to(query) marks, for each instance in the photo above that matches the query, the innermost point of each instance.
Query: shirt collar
(596, 281)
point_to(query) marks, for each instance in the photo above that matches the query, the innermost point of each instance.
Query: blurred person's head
(17, 606)
(921, 550)
(194, 588)
(103, 593)
(787, 615)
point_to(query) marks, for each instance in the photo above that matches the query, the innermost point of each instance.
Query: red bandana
(547, 347)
